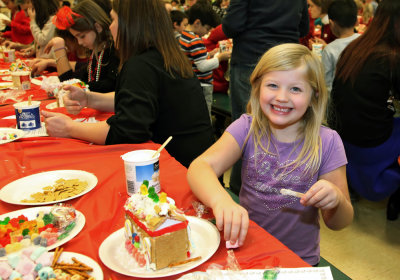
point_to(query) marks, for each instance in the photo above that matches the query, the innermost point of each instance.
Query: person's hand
(38, 66)
(223, 56)
(57, 124)
(27, 52)
(213, 52)
(11, 45)
(56, 43)
(75, 100)
(316, 41)
(31, 13)
(6, 22)
(323, 194)
(233, 219)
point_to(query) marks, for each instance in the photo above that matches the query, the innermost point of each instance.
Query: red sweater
(20, 29)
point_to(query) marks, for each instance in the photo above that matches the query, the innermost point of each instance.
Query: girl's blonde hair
(283, 58)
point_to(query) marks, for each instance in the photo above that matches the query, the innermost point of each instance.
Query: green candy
(48, 219)
(5, 221)
(25, 232)
(270, 274)
(146, 183)
(69, 227)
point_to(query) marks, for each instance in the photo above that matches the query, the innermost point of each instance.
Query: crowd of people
(317, 123)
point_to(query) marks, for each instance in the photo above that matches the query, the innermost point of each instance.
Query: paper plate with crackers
(48, 187)
(39, 228)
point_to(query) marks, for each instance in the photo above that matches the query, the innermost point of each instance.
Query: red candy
(137, 238)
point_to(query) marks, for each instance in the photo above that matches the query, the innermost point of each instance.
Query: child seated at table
(342, 19)
(179, 22)
(283, 146)
(89, 24)
(201, 19)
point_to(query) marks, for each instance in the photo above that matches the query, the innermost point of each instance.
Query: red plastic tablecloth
(102, 206)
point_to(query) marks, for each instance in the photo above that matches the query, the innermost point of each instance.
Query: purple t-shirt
(283, 216)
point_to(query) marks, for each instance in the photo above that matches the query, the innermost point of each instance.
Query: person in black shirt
(157, 94)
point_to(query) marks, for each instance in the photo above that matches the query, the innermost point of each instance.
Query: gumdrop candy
(25, 266)
(13, 247)
(5, 221)
(143, 190)
(48, 219)
(34, 235)
(25, 232)
(5, 270)
(146, 183)
(37, 240)
(25, 242)
(163, 197)
(137, 245)
(43, 242)
(137, 238)
(141, 260)
(51, 241)
(3, 252)
(152, 191)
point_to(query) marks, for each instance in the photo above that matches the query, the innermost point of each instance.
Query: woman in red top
(20, 25)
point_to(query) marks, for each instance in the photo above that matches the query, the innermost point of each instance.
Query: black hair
(177, 16)
(203, 11)
(343, 13)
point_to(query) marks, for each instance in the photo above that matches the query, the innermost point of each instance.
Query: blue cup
(27, 115)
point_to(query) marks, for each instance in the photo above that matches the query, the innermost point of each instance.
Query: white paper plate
(6, 85)
(204, 236)
(31, 213)
(97, 272)
(5, 132)
(7, 78)
(36, 82)
(52, 105)
(22, 188)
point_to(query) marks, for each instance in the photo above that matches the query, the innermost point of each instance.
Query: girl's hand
(38, 66)
(213, 52)
(224, 55)
(323, 194)
(75, 100)
(57, 124)
(56, 43)
(31, 13)
(233, 219)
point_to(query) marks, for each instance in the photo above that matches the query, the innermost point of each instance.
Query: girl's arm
(60, 125)
(203, 176)
(44, 35)
(330, 193)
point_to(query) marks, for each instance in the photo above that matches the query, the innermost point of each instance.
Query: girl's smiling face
(85, 38)
(285, 97)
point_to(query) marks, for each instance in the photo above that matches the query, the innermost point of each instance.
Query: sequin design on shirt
(265, 176)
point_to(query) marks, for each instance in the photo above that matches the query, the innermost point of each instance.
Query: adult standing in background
(255, 26)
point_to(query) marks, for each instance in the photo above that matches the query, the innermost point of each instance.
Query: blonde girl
(283, 146)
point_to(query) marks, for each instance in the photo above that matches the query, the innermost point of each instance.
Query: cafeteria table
(103, 206)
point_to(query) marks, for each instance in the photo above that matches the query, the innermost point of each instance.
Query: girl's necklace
(97, 68)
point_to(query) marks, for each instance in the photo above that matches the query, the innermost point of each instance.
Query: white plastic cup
(21, 79)
(9, 55)
(317, 49)
(141, 168)
(28, 116)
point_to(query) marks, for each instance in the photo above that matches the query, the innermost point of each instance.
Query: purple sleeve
(333, 154)
(240, 128)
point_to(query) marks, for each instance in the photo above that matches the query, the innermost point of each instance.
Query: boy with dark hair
(179, 22)
(202, 18)
(342, 19)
